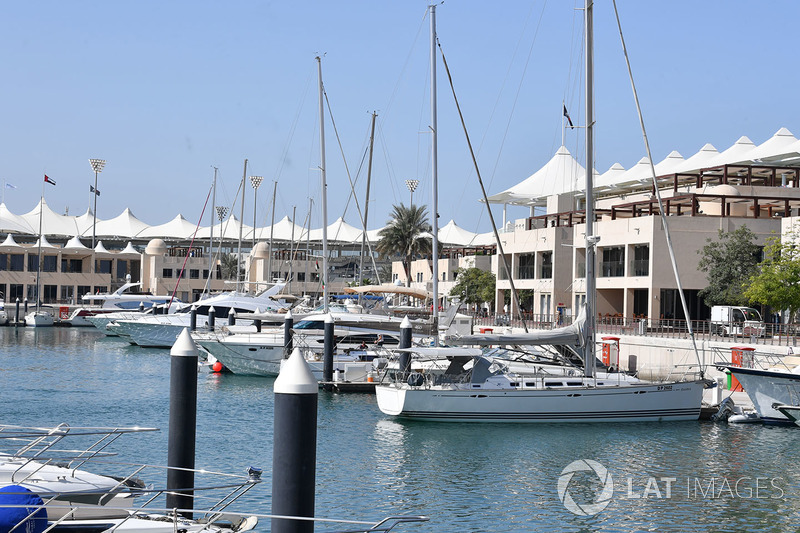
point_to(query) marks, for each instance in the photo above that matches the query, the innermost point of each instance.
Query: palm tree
(228, 266)
(407, 234)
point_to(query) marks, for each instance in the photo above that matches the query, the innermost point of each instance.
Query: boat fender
(24, 503)
(416, 379)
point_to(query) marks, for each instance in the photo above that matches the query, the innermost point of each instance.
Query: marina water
(692, 476)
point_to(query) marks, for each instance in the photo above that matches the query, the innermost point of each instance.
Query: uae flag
(49, 180)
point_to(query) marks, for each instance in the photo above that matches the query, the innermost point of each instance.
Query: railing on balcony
(617, 324)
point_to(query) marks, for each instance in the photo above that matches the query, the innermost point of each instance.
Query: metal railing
(773, 334)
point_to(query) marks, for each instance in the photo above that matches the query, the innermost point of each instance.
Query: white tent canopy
(283, 230)
(9, 222)
(85, 222)
(10, 244)
(339, 231)
(738, 152)
(123, 226)
(52, 222)
(177, 228)
(560, 175)
(698, 160)
(775, 147)
(229, 229)
(75, 246)
(454, 235)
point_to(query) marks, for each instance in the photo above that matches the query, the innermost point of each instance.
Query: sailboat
(38, 318)
(477, 388)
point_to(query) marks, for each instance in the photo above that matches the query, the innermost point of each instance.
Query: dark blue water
(693, 476)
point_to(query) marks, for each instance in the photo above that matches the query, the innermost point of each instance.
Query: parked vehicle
(736, 320)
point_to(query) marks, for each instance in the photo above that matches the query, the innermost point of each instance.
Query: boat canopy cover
(21, 502)
(571, 335)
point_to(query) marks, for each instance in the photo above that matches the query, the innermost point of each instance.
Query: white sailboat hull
(39, 319)
(255, 355)
(767, 389)
(626, 403)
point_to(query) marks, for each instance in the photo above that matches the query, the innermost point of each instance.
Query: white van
(736, 320)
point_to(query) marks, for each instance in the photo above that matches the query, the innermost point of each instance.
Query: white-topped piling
(288, 334)
(212, 317)
(182, 422)
(405, 342)
(231, 317)
(327, 354)
(294, 451)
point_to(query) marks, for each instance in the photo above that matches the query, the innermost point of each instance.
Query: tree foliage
(228, 266)
(729, 262)
(474, 286)
(776, 282)
(406, 235)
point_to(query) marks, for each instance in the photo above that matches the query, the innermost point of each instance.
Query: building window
(641, 260)
(99, 289)
(49, 293)
(50, 263)
(16, 290)
(74, 266)
(33, 263)
(103, 266)
(547, 265)
(84, 289)
(194, 273)
(301, 276)
(419, 277)
(122, 268)
(3, 262)
(444, 276)
(17, 262)
(526, 268)
(613, 264)
(205, 273)
(67, 294)
(166, 273)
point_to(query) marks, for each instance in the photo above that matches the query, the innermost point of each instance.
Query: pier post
(26, 305)
(212, 317)
(193, 318)
(257, 324)
(294, 451)
(182, 423)
(327, 354)
(405, 342)
(141, 307)
(16, 314)
(231, 317)
(288, 334)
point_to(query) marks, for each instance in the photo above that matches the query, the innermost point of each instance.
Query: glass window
(17, 262)
(526, 266)
(641, 260)
(166, 273)
(613, 264)
(33, 263)
(49, 263)
(3, 262)
(103, 266)
(16, 290)
(547, 265)
(194, 273)
(122, 268)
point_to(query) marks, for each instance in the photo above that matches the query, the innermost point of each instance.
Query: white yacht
(162, 330)
(71, 499)
(358, 337)
(774, 391)
(123, 299)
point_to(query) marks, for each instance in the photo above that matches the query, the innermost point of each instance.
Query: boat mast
(39, 262)
(435, 187)
(308, 244)
(366, 209)
(292, 249)
(271, 232)
(324, 188)
(211, 225)
(591, 240)
(241, 226)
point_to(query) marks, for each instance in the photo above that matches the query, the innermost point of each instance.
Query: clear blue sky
(165, 90)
